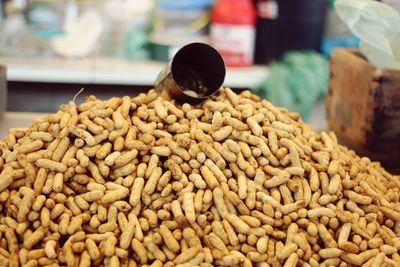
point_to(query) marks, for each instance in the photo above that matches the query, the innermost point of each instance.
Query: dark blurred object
(363, 107)
(3, 90)
(285, 25)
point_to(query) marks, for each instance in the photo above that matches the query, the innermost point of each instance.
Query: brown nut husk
(233, 181)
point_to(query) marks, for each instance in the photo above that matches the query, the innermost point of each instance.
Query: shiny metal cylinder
(196, 72)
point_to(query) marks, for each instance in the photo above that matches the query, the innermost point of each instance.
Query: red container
(233, 31)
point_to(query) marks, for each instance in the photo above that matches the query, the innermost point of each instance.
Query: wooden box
(363, 107)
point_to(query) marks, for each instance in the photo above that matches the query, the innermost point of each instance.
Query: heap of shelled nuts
(234, 181)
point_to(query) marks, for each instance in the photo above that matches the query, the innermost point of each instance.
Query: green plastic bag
(296, 82)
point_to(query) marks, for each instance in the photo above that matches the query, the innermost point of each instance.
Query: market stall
(203, 158)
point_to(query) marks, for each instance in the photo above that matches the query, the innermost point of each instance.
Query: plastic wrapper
(377, 26)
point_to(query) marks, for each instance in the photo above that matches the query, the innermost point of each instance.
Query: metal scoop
(196, 72)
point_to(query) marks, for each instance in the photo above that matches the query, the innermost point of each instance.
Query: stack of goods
(233, 181)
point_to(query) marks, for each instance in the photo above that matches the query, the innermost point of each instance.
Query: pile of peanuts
(234, 181)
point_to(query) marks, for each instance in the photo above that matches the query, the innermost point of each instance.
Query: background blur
(278, 48)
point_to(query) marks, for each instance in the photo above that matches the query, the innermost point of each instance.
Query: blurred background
(278, 48)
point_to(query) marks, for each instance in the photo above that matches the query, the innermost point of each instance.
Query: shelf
(110, 71)
(49, 70)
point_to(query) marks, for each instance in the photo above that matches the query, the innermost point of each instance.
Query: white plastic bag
(378, 27)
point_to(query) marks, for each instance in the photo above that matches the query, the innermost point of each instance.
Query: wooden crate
(363, 106)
